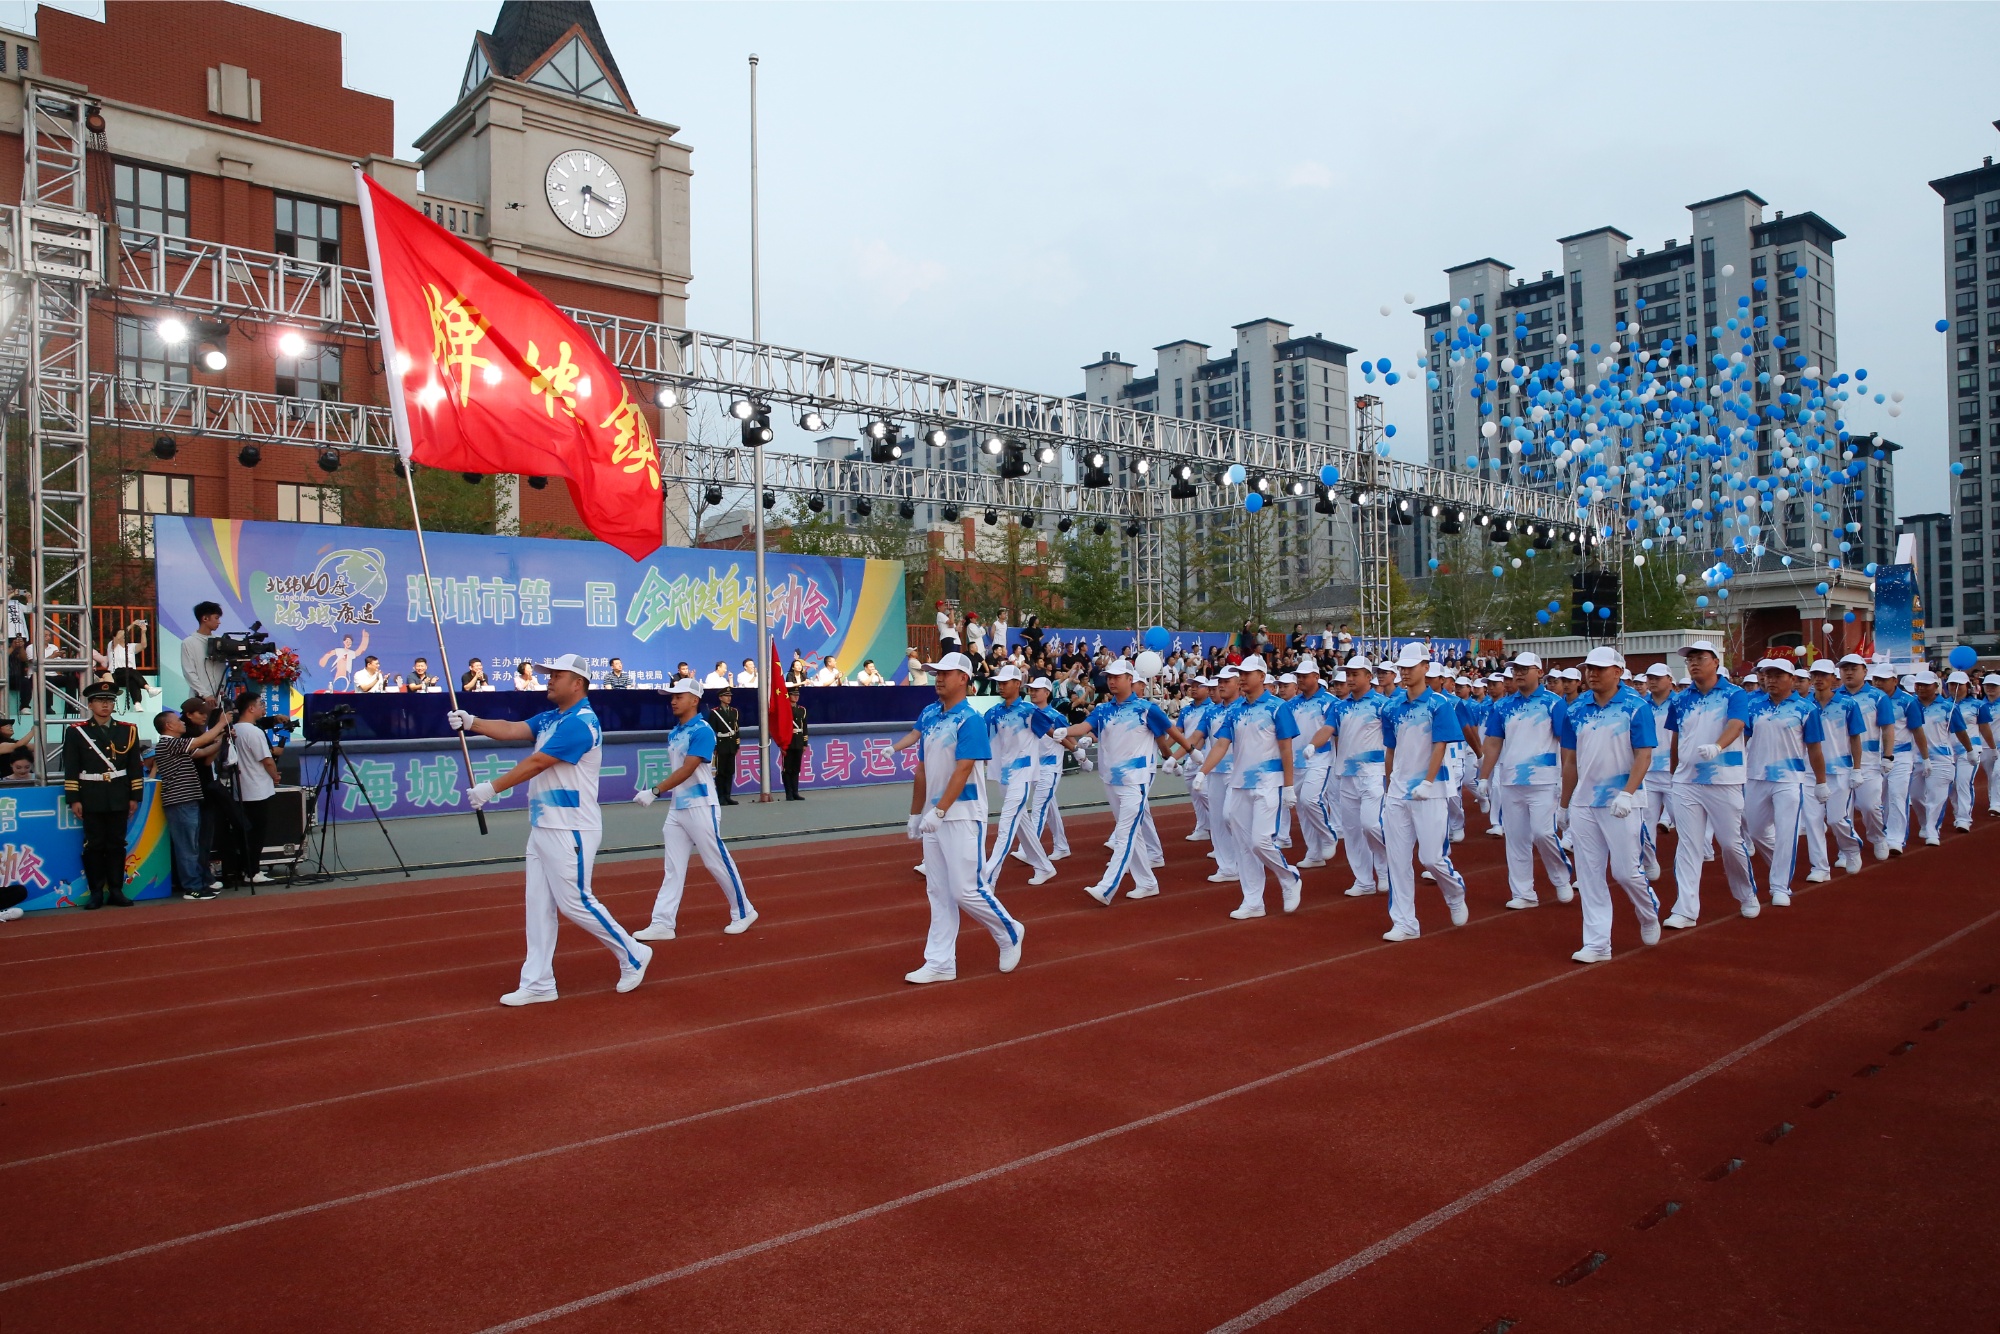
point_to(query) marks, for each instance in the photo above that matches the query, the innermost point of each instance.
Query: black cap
(102, 690)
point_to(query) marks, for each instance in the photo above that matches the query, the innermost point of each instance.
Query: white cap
(1119, 667)
(1700, 646)
(1357, 663)
(1991, 679)
(1461, 681)
(1924, 678)
(1854, 658)
(1604, 656)
(1009, 673)
(1253, 663)
(687, 685)
(1526, 660)
(1958, 679)
(952, 662)
(1288, 679)
(1412, 655)
(1826, 665)
(1227, 674)
(1041, 683)
(1307, 666)
(1660, 669)
(1722, 673)
(1881, 671)
(568, 662)
(1572, 674)
(1434, 671)
(1800, 670)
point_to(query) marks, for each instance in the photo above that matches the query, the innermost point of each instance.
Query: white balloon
(1777, 382)
(1729, 270)
(1895, 411)
(1812, 372)
(1146, 666)
(1490, 429)
(1562, 340)
(1385, 310)
(1409, 298)
(1896, 397)
(1638, 558)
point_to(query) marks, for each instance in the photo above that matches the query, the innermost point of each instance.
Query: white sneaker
(1524, 903)
(1652, 870)
(215, 886)
(1819, 877)
(1851, 863)
(1155, 863)
(921, 869)
(1460, 913)
(1359, 891)
(1709, 855)
(1592, 956)
(1214, 856)
(654, 933)
(1311, 862)
(1458, 835)
(1428, 876)
(1397, 933)
(1649, 933)
(1493, 831)
(1781, 899)
(1042, 877)
(13, 914)
(1752, 908)
(1930, 840)
(1246, 912)
(1677, 922)
(1564, 893)
(741, 924)
(1059, 855)
(928, 974)
(1103, 897)
(1962, 828)
(629, 978)
(1222, 878)
(1010, 955)
(1137, 893)
(1198, 836)
(261, 879)
(1881, 851)
(1895, 850)
(1284, 842)
(1291, 896)
(527, 997)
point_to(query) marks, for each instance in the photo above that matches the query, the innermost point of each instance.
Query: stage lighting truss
(812, 420)
(885, 442)
(756, 420)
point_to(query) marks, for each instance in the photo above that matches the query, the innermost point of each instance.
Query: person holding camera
(256, 784)
(177, 763)
(201, 671)
(101, 782)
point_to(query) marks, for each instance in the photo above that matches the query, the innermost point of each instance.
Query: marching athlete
(1942, 738)
(1015, 728)
(1842, 720)
(565, 826)
(1783, 736)
(1049, 750)
(948, 816)
(1359, 757)
(1985, 713)
(1522, 770)
(1256, 736)
(1607, 740)
(1196, 725)
(1225, 853)
(1312, 760)
(1878, 744)
(1707, 725)
(1965, 755)
(694, 818)
(1129, 729)
(1415, 731)
(1902, 780)
(1657, 797)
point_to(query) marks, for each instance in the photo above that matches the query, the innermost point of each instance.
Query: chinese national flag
(778, 709)
(487, 376)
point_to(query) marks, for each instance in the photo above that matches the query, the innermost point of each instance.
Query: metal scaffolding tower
(1374, 556)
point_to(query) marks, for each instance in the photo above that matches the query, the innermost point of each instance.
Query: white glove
(1920, 767)
(916, 829)
(1562, 818)
(1708, 752)
(1621, 805)
(1199, 783)
(1483, 790)
(460, 720)
(482, 793)
(1288, 796)
(932, 822)
(645, 796)
(1822, 791)
(1083, 760)
(1060, 734)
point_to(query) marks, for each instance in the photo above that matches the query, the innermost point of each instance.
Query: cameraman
(256, 783)
(202, 673)
(180, 785)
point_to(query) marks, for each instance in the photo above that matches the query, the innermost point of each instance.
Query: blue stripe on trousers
(735, 880)
(583, 894)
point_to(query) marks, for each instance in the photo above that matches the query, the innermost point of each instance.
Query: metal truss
(1375, 558)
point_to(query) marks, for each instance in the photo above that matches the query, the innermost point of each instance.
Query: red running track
(308, 1112)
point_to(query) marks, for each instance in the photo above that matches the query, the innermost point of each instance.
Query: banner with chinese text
(340, 595)
(41, 847)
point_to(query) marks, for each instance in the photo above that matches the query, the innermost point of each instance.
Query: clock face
(585, 193)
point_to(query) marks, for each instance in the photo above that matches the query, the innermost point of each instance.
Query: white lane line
(1437, 1218)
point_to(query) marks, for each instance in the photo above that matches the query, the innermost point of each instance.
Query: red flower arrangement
(274, 669)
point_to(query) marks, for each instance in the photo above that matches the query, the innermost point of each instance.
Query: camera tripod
(326, 864)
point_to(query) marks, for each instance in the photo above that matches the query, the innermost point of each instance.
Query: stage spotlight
(1100, 527)
(906, 510)
(215, 359)
(538, 483)
(863, 507)
(666, 396)
(712, 495)
(291, 343)
(1027, 518)
(1142, 466)
(1014, 459)
(938, 437)
(1364, 497)
(1132, 528)
(249, 456)
(992, 517)
(756, 430)
(1451, 522)
(165, 447)
(743, 409)
(1045, 453)
(329, 459)
(993, 444)
(811, 420)
(1261, 485)
(1296, 487)
(1064, 524)
(816, 503)
(770, 500)
(1095, 472)
(1405, 513)
(172, 330)
(885, 446)
(1325, 505)
(1183, 485)
(950, 513)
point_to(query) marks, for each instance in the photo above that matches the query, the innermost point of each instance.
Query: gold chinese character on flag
(632, 447)
(556, 384)
(456, 328)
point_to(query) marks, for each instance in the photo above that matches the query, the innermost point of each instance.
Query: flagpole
(764, 696)
(399, 415)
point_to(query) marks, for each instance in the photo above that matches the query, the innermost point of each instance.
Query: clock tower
(547, 165)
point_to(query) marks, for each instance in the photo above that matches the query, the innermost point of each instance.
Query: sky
(1005, 191)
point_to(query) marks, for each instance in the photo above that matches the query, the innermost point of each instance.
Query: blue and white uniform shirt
(1128, 740)
(1048, 750)
(1941, 718)
(1908, 715)
(1778, 733)
(564, 795)
(1309, 714)
(1698, 719)
(1872, 706)
(950, 735)
(1012, 735)
(1840, 718)
(1661, 771)
(1528, 727)
(693, 738)
(1358, 748)
(1410, 728)
(1253, 729)
(1605, 737)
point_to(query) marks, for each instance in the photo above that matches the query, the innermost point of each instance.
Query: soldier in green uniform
(728, 728)
(102, 779)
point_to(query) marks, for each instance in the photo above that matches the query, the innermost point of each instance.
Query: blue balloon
(1964, 658)
(1329, 475)
(1848, 617)
(1253, 502)
(1497, 572)
(1701, 601)
(1390, 429)
(1158, 640)
(1542, 616)
(1235, 474)
(1942, 325)
(1604, 613)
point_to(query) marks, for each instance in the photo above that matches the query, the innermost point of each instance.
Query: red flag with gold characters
(777, 703)
(487, 376)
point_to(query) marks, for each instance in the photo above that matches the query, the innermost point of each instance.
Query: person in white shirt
(202, 674)
(1706, 721)
(694, 821)
(975, 636)
(565, 826)
(1129, 729)
(256, 781)
(948, 641)
(524, 677)
(868, 676)
(1522, 773)
(829, 673)
(746, 679)
(1257, 734)
(717, 679)
(1658, 792)
(370, 680)
(1015, 730)
(915, 674)
(1312, 710)
(1784, 771)
(1416, 821)
(1607, 743)
(1358, 755)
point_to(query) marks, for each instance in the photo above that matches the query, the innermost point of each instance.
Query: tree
(372, 496)
(1091, 593)
(1651, 596)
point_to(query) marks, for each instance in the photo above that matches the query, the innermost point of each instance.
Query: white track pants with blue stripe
(696, 830)
(1937, 791)
(1017, 829)
(1319, 819)
(1048, 810)
(1361, 821)
(1989, 764)
(1776, 816)
(952, 880)
(1864, 804)
(1702, 811)
(1129, 850)
(558, 873)
(1896, 785)
(1605, 843)
(1961, 789)
(1255, 816)
(1529, 824)
(1419, 828)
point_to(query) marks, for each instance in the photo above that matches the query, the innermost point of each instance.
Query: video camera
(330, 724)
(240, 645)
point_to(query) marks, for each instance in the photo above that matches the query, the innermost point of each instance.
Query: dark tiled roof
(527, 29)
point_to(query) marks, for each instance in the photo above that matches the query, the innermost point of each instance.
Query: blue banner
(1201, 641)
(338, 595)
(41, 848)
(1898, 616)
